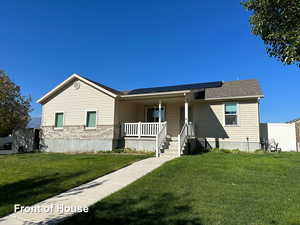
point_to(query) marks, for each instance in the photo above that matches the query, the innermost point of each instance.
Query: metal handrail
(182, 137)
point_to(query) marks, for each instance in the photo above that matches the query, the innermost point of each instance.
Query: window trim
(85, 119)
(59, 128)
(237, 115)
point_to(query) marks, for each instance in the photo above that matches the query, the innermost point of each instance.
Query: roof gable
(109, 91)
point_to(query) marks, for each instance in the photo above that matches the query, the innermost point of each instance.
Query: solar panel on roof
(176, 88)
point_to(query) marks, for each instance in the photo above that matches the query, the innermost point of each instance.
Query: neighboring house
(297, 125)
(83, 115)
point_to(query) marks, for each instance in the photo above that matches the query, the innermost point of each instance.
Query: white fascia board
(156, 94)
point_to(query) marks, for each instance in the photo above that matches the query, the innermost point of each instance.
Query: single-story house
(83, 115)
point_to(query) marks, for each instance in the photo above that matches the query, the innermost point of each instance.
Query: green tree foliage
(277, 22)
(14, 108)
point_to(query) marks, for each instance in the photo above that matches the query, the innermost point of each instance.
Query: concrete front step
(173, 145)
(172, 138)
(169, 155)
(171, 150)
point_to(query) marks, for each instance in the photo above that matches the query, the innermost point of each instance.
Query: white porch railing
(182, 137)
(161, 138)
(141, 129)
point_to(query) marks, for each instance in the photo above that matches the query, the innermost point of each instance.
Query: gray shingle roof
(183, 87)
(105, 87)
(294, 120)
(238, 88)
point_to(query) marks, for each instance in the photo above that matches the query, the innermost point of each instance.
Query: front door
(152, 114)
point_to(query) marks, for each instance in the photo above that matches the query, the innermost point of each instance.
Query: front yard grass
(209, 189)
(29, 178)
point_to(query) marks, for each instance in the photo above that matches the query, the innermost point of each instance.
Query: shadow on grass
(29, 191)
(160, 209)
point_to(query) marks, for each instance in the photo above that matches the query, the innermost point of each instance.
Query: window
(91, 117)
(153, 114)
(59, 120)
(231, 114)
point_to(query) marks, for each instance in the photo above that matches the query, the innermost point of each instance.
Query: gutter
(156, 94)
(236, 97)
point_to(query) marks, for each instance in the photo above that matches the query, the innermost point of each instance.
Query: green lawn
(213, 188)
(29, 178)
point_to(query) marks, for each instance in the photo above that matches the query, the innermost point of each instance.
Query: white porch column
(159, 114)
(186, 111)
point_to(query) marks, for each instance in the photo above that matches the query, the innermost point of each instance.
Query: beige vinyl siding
(125, 112)
(75, 102)
(173, 118)
(209, 121)
(140, 115)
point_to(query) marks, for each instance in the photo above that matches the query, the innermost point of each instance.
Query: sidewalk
(86, 194)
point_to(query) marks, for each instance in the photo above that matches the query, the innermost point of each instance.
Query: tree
(277, 22)
(14, 108)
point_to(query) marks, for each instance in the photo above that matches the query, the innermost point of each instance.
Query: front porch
(162, 125)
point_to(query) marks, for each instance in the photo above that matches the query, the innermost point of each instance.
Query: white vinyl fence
(282, 133)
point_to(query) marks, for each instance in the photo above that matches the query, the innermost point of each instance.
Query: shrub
(214, 150)
(118, 150)
(259, 151)
(130, 151)
(225, 151)
(235, 151)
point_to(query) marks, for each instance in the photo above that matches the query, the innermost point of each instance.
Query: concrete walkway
(84, 195)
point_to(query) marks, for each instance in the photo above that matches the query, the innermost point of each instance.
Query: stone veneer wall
(77, 138)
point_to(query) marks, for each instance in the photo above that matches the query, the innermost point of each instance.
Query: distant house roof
(294, 120)
(35, 122)
(208, 90)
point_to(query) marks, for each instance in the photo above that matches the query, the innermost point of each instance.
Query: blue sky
(131, 44)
